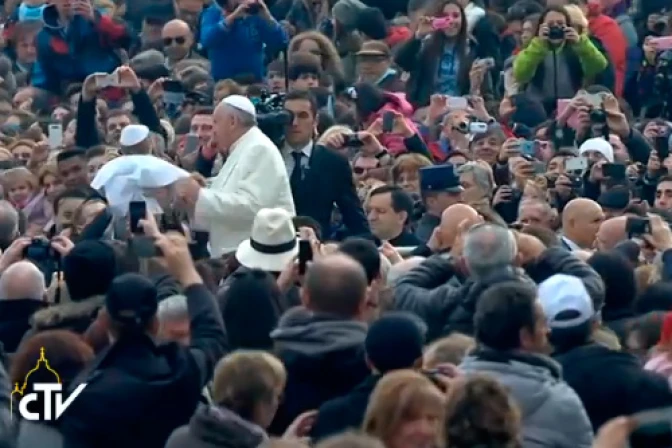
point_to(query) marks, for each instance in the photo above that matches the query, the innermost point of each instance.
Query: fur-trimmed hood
(66, 315)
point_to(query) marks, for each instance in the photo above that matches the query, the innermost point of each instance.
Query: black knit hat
(394, 342)
(89, 269)
(132, 300)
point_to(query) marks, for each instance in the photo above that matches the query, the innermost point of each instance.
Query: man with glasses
(178, 41)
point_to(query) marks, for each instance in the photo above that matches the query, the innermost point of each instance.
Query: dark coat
(392, 82)
(15, 320)
(216, 427)
(324, 358)
(414, 57)
(405, 239)
(327, 181)
(137, 393)
(344, 413)
(612, 383)
(446, 301)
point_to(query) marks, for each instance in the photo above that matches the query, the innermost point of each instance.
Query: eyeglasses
(168, 41)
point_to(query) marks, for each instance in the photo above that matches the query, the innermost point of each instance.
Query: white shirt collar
(571, 244)
(306, 150)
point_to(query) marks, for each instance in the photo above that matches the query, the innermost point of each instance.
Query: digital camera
(556, 33)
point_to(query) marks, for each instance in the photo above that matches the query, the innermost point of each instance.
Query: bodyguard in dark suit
(319, 177)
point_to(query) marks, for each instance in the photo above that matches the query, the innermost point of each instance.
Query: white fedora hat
(272, 243)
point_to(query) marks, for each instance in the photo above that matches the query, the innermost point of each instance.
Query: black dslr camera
(556, 33)
(40, 251)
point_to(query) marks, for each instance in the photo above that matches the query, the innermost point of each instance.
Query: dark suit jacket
(327, 181)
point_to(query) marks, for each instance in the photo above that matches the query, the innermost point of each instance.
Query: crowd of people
(336, 223)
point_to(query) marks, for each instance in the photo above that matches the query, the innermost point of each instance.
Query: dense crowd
(336, 223)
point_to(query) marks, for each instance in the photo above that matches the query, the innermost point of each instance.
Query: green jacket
(525, 64)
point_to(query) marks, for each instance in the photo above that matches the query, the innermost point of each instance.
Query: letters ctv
(40, 397)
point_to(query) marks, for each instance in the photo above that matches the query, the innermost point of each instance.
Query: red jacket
(607, 30)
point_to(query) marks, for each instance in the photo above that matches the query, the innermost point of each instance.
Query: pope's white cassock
(253, 177)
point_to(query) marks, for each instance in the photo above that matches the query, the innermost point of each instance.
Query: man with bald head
(253, 177)
(178, 41)
(451, 221)
(443, 237)
(22, 293)
(610, 233)
(321, 343)
(581, 219)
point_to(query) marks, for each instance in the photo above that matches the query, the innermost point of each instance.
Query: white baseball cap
(562, 292)
(133, 134)
(240, 102)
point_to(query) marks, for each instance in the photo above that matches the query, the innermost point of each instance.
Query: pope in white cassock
(253, 177)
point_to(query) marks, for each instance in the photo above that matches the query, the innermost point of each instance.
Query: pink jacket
(395, 102)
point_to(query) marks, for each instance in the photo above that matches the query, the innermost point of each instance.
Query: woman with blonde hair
(246, 390)
(318, 44)
(406, 410)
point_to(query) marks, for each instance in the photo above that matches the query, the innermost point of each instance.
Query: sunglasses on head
(180, 40)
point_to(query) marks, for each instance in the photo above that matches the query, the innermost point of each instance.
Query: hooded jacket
(73, 316)
(612, 383)
(552, 414)
(217, 427)
(138, 392)
(324, 358)
(69, 55)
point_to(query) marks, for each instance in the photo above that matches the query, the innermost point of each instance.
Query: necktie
(295, 177)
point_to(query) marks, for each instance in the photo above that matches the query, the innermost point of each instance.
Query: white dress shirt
(571, 244)
(306, 151)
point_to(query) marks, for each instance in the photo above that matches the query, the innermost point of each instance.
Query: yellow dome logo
(48, 390)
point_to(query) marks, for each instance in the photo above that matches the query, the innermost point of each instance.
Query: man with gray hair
(253, 177)
(22, 293)
(477, 181)
(491, 254)
(174, 321)
(9, 224)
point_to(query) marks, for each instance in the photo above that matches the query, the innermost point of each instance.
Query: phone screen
(55, 136)
(191, 143)
(635, 226)
(614, 170)
(137, 210)
(388, 122)
(305, 255)
(654, 428)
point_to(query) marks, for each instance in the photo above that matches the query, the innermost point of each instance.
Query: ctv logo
(49, 394)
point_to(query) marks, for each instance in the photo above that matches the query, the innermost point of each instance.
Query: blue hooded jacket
(238, 49)
(70, 55)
